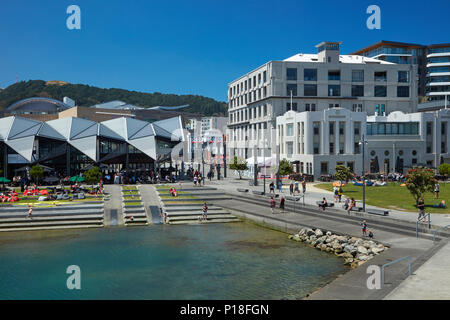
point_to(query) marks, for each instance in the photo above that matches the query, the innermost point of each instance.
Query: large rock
(309, 232)
(362, 250)
(348, 261)
(302, 232)
(377, 250)
(328, 233)
(349, 248)
(337, 248)
(362, 257)
(319, 233)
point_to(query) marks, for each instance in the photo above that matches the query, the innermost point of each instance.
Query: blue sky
(192, 47)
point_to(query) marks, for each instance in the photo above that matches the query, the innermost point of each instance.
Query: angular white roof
(302, 57)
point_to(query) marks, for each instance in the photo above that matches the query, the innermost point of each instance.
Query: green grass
(134, 203)
(178, 197)
(129, 188)
(132, 198)
(393, 196)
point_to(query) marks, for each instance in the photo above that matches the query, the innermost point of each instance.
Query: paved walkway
(430, 281)
(113, 206)
(314, 194)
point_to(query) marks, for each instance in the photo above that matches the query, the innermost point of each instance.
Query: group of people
(273, 204)
(173, 192)
(197, 178)
(9, 196)
(294, 187)
(204, 215)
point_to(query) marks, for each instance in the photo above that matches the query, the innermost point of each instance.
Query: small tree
(444, 169)
(286, 167)
(239, 164)
(92, 176)
(419, 181)
(343, 173)
(37, 172)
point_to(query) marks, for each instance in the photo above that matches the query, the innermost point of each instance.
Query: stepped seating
(60, 217)
(133, 215)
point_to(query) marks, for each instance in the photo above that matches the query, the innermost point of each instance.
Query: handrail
(420, 219)
(395, 261)
(435, 231)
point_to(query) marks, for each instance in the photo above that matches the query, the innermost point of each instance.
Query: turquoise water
(216, 261)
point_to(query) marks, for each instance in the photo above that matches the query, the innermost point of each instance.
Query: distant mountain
(85, 95)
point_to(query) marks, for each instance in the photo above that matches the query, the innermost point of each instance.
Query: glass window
(289, 129)
(380, 76)
(357, 91)
(310, 75)
(334, 90)
(380, 91)
(357, 75)
(403, 76)
(310, 90)
(334, 75)
(264, 76)
(291, 74)
(403, 91)
(291, 87)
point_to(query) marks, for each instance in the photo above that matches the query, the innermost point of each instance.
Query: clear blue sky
(192, 47)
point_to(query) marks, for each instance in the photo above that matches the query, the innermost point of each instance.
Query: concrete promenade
(429, 262)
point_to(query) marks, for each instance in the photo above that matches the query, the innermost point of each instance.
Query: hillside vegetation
(86, 95)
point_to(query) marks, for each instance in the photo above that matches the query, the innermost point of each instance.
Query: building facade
(314, 83)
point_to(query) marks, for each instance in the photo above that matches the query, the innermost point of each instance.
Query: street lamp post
(363, 143)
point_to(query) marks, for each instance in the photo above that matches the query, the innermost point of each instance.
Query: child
(30, 211)
(370, 234)
(364, 228)
(272, 204)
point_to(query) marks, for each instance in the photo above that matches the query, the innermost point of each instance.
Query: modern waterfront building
(70, 144)
(314, 83)
(44, 109)
(433, 63)
(318, 141)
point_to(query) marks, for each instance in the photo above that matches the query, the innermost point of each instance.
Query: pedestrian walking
(205, 211)
(296, 190)
(272, 204)
(304, 185)
(280, 186)
(291, 189)
(272, 188)
(364, 228)
(340, 192)
(282, 204)
(421, 207)
(436, 190)
(30, 211)
(336, 193)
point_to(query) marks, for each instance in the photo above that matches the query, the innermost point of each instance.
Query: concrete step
(36, 228)
(166, 189)
(31, 223)
(22, 208)
(203, 222)
(52, 214)
(196, 208)
(53, 218)
(199, 198)
(196, 213)
(210, 217)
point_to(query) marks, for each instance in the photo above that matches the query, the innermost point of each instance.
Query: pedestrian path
(113, 206)
(429, 282)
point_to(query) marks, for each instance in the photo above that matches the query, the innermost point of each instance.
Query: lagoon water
(215, 261)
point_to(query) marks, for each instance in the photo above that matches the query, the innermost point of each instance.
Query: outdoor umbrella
(76, 179)
(4, 180)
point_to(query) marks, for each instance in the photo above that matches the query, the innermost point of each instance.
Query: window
(259, 78)
(265, 110)
(331, 128)
(380, 76)
(290, 148)
(334, 75)
(291, 74)
(357, 107)
(291, 87)
(310, 75)
(294, 106)
(265, 76)
(380, 109)
(403, 76)
(331, 147)
(324, 168)
(357, 91)
(357, 75)
(313, 107)
(290, 129)
(310, 90)
(380, 91)
(403, 91)
(334, 90)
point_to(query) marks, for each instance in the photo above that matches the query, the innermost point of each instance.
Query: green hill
(85, 95)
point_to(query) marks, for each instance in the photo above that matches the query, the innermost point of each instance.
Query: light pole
(363, 142)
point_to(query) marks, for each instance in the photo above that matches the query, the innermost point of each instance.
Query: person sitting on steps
(323, 204)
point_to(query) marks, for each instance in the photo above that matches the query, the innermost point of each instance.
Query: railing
(436, 231)
(395, 261)
(420, 219)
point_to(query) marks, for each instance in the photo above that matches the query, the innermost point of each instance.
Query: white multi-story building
(313, 82)
(319, 141)
(208, 123)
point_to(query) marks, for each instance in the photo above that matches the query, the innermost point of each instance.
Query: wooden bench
(378, 212)
(329, 204)
(358, 209)
(242, 190)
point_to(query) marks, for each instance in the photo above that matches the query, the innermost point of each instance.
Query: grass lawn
(393, 196)
(129, 188)
(49, 203)
(136, 197)
(134, 203)
(178, 197)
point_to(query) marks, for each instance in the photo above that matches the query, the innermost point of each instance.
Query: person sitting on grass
(174, 192)
(323, 204)
(441, 205)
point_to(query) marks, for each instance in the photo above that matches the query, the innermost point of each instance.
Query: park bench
(358, 209)
(329, 204)
(378, 212)
(258, 192)
(242, 190)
